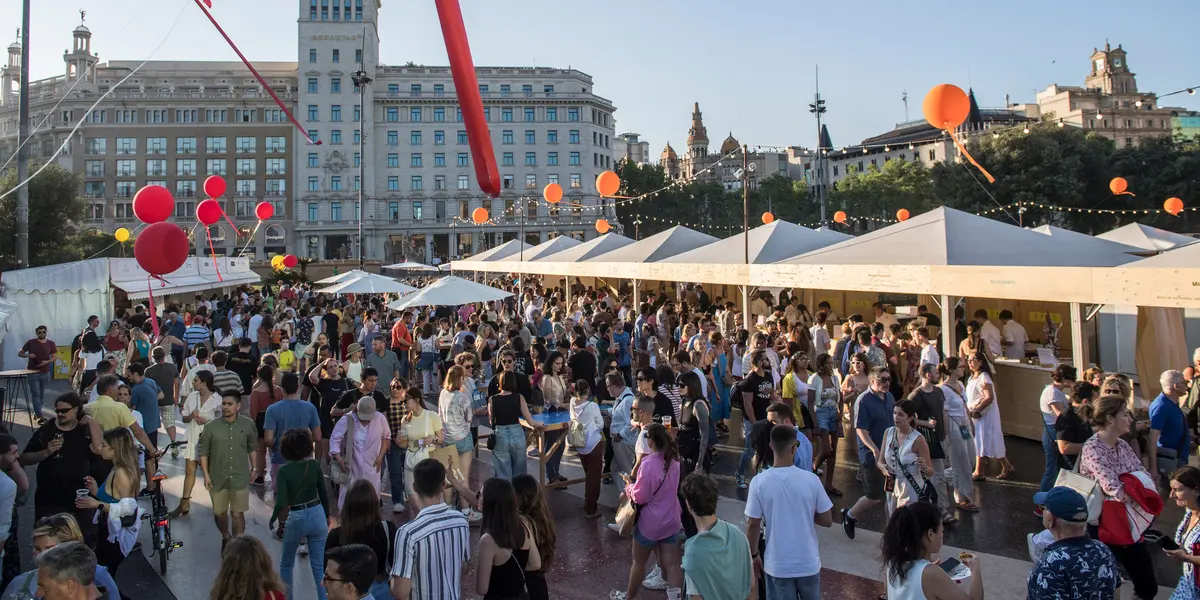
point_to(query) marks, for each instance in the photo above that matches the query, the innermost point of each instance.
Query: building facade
(630, 147)
(698, 164)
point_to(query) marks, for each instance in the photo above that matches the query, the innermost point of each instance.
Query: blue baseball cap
(1064, 503)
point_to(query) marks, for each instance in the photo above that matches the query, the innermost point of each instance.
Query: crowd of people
(315, 398)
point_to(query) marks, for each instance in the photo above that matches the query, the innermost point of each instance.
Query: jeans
(38, 382)
(1050, 447)
(395, 465)
(508, 458)
(748, 450)
(793, 588)
(380, 591)
(307, 524)
(554, 460)
(403, 356)
(593, 463)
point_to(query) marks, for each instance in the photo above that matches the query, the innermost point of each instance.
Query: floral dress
(1188, 587)
(912, 367)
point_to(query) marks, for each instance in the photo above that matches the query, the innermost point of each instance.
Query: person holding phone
(910, 542)
(1075, 565)
(1185, 546)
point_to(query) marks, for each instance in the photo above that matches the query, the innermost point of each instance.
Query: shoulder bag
(337, 474)
(628, 511)
(926, 493)
(1086, 486)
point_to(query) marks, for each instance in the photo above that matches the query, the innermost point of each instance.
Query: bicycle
(160, 519)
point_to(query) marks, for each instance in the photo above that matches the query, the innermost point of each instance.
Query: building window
(508, 159)
(276, 187)
(414, 115)
(552, 159)
(393, 183)
(185, 116)
(417, 183)
(530, 136)
(393, 160)
(552, 136)
(335, 85)
(458, 115)
(215, 166)
(392, 114)
(464, 182)
(394, 210)
(393, 138)
(418, 210)
(314, 184)
(508, 182)
(462, 138)
(415, 160)
(335, 183)
(551, 114)
(529, 114)
(246, 145)
(552, 178)
(216, 116)
(335, 211)
(126, 145)
(439, 182)
(574, 159)
(357, 159)
(439, 138)
(247, 166)
(357, 136)
(312, 52)
(313, 85)
(572, 114)
(506, 136)
(312, 160)
(126, 168)
(506, 114)
(530, 183)
(358, 55)
(439, 115)
(313, 112)
(439, 159)
(335, 112)
(156, 167)
(337, 56)
(414, 138)
(576, 180)
(357, 113)
(573, 136)
(531, 159)
(335, 136)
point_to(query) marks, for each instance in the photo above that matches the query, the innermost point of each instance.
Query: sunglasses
(63, 411)
(884, 380)
(643, 379)
(506, 362)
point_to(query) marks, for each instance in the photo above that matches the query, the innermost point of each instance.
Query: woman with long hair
(301, 507)
(507, 546)
(985, 414)
(505, 411)
(200, 407)
(586, 419)
(89, 354)
(48, 532)
(246, 573)
(824, 394)
(906, 456)
(115, 497)
(959, 439)
(353, 365)
(1185, 490)
(420, 432)
(659, 527)
(139, 346)
(795, 389)
(696, 431)
(454, 408)
(531, 503)
(668, 387)
(263, 394)
(911, 539)
(718, 359)
(360, 522)
(427, 363)
(263, 335)
(223, 338)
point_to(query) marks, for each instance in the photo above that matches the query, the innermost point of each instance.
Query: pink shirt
(1106, 465)
(659, 497)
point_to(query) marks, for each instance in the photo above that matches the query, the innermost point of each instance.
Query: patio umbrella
(368, 283)
(411, 266)
(450, 291)
(343, 277)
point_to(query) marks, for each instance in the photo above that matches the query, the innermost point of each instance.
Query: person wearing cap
(360, 440)
(1075, 565)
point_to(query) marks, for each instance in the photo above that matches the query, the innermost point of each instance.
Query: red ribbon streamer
(971, 159)
(261, 81)
(462, 68)
(153, 312)
(212, 253)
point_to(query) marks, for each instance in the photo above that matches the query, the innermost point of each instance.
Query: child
(287, 358)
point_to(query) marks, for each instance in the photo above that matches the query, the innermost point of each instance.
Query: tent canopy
(1086, 240)
(7, 310)
(197, 274)
(348, 275)
(504, 250)
(411, 266)
(1182, 257)
(1147, 237)
(660, 246)
(769, 243)
(948, 237)
(368, 283)
(79, 276)
(546, 248)
(450, 291)
(589, 249)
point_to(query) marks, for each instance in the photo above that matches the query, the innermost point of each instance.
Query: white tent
(660, 246)
(1147, 237)
(1183, 257)
(546, 248)
(504, 250)
(61, 297)
(348, 275)
(1085, 240)
(450, 291)
(197, 274)
(368, 283)
(769, 243)
(7, 310)
(589, 249)
(410, 266)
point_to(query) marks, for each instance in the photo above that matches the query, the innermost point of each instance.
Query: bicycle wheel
(165, 549)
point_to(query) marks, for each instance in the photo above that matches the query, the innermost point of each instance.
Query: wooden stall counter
(1019, 385)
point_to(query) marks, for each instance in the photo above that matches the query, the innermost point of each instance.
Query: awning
(196, 275)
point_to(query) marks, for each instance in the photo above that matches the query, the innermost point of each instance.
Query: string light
(1072, 209)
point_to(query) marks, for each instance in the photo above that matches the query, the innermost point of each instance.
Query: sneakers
(848, 523)
(654, 580)
(613, 526)
(616, 595)
(399, 507)
(473, 516)
(533, 453)
(741, 481)
(302, 550)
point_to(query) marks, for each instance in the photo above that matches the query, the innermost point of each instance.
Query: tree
(787, 199)
(879, 193)
(55, 211)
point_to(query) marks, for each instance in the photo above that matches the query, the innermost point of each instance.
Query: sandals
(967, 506)
(833, 492)
(1004, 476)
(978, 478)
(185, 507)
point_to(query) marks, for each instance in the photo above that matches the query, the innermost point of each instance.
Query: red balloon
(290, 261)
(264, 211)
(214, 186)
(153, 204)
(462, 70)
(208, 212)
(161, 248)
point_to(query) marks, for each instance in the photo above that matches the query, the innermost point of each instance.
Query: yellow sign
(1038, 316)
(62, 362)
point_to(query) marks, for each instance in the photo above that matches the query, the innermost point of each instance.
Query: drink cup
(82, 493)
(667, 422)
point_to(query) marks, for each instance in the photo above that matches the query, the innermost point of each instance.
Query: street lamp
(817, 108)
(361, 80)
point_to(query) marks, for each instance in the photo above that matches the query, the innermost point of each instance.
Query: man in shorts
(227, 455)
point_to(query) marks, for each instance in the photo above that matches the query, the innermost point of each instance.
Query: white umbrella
(450, 291)
(411, 266)
(369, 283)
(348, 275)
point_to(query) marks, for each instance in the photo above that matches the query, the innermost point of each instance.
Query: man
(757, 392)
(304, 331)
(227, 455)
(289, 413)
(716, 561)
(245, 364)
(111, 414)
(350, 572)
(166, 376)
(145, 397)
(67, 572)
(989, 333)
(40, 354)
(433, 548)
(1075, 565)
(62, 449)
(225, 379)
(883, 317)
(203, 363)
(402, 341)
(683, 364)
(103, 368)
(508, 363)
(782, 414)
(791, 501)
(874, 409)
(929, 353)
(397, 452)
(1053, 402)
(384, 361)
(1169, 434)
(176, 329)
(139, 317)
(622, 431)
(197, 334)
(1013, 336)
(349, 399)
(820, 335)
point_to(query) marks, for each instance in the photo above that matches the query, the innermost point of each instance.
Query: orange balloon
(1173, 206)
(768, 218)
(602, 225)
(479, 215)
(552, 193)
(1118, 185)
(902, 215)
(608, 183)
(946, 106)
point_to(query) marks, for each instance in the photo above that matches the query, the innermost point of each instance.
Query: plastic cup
(667, 421)
(82, 493)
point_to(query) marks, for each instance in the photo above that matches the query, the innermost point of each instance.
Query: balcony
(185, 193)
(246, 193)
(186, 150)
(215, 149)
(275, 193)
(157, 172)
(246, 171)
(126, 173)
(95, 173)
(275, 149)
(126, 150)
(156, 150)
(187, 172)
(276, 171)
(246, 150)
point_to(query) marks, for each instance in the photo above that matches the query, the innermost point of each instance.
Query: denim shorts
(464, 445)
(827, 418)
(646, 542)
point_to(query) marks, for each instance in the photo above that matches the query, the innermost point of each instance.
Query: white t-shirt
(1014, 332)
(820, 338)
(1051, 395)
(642, 446)
(252, 330)
(929, 355)
(703, 381)
(990, 334)
(787, 499)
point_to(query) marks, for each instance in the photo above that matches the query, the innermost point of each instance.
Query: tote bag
(1087, 487)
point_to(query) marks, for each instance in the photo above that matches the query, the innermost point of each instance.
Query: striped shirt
(227, 381)
(195, 335)
(431, 551)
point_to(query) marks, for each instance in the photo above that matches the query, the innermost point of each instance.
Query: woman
(263, 335)
(696, 432)
(911, 351)
(858, 380)
(586, 435)
(985, 414)
(554, 384)
(359, 442)
(420, 431)
(911, 540)
(505, 411)
(200, 407)
(353, 366)
(532, 505)
(647, 387)
(427, 364)
(115, 497)
(49, 532)
(246, 573)
(718, 359)
(360, 522)
(659, 527)
(301, 507)
(1074, 426)
(669, 389)
(906, 457)
(507, 546)
(346, 329)
(960, 442)
(485, 345)
(1104, 459)
(91, 352)
(1185, 489)
(971, 344)
(139, 347)
(223, 338)
(454, 409)
(262, 395)
(824, 394)
(312, 355)
(115, 343)
(795, 390)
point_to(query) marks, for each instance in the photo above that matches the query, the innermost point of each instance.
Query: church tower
(1110, 72)
(81, 63)
(670, 162)
(10, 75)
(698, 135)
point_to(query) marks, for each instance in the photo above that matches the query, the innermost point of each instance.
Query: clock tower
(1110, 72)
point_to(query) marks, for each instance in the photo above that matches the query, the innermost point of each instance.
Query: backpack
(577, 434)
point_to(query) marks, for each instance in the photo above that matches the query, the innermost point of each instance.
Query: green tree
(55, 212)
(787, 199)
(880, 193)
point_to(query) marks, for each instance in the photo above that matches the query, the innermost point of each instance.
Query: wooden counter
(1018, 388)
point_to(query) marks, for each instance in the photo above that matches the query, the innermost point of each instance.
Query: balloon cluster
(946, 107)
(1118, 186)
(161, 247)
(284, 261)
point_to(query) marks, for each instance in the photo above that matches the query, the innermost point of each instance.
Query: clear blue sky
(749, 64)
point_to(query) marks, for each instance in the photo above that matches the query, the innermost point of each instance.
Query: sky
(750, 64)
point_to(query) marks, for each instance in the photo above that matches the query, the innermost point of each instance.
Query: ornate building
(698, 164)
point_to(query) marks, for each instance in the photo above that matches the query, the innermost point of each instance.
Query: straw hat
(366, 408)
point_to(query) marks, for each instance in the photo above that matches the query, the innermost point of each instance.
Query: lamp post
(22, 147)
(817, 108)
(361, 80)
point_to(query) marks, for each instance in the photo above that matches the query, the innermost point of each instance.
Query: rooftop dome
(669, 152)
(14, 47)
(730, 144)
(83, 29)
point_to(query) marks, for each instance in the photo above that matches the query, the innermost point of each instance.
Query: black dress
(508, 580)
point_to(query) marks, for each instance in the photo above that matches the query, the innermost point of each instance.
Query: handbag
(337, 474)
(1168, 460)
(628, 512)
(1087, 487)
(925, 493)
